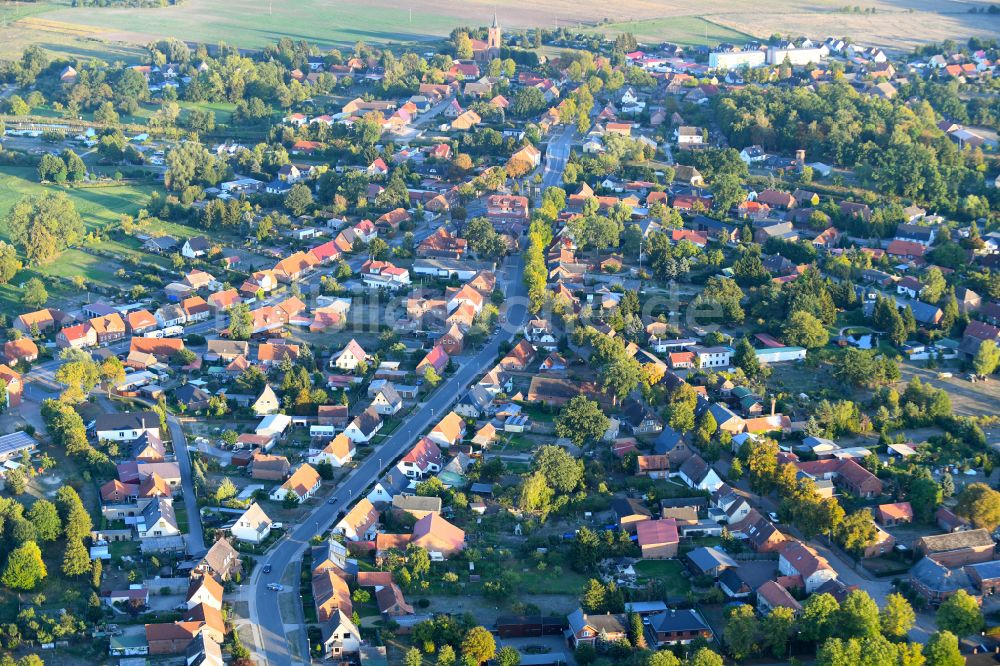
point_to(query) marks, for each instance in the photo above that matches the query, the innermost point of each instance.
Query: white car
(276, 587)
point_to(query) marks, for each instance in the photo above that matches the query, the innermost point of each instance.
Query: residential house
(14, 385)
(125, 427)
(204, 590)
(138, 322)
(771, 595)
(436, 360)
(302, 484)
(518, 358)
(364, 426)
(416, 506)
(40, 320)
(935, 582)
(331, 594)
(265, 467)
(629, 513)
(640, 419)
(196, 247)
(221, 560)
(423, 460)
(340, 636)
(797, 559)
(253, 526)
(157, 520)
(449, 430)
(679, 627)
(846, 474)
(476, 403)
(387, 401)
(78, 336)
(697, 473)
(657, 539)
(899, 513)
(360, 523)
(338, 452)
(349, 357)
(452, 341)
(587, 629)
(437, 536)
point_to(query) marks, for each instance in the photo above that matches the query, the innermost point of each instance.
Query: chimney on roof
(773, 401)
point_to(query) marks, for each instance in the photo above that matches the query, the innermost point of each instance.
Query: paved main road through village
(265, 613)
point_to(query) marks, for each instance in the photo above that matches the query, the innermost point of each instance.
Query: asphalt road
(195, 538)
(556, 155)
(265, 614)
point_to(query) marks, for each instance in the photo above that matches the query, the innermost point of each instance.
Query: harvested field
(894, 24)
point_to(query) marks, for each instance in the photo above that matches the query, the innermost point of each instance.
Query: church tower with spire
(494, 37)
(484, 51)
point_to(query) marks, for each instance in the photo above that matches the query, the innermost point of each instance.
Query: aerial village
(635, 354)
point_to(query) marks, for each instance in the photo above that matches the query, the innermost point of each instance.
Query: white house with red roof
(798, 559)
(449, 431)
(422, 460)
(378, 168)
(349, 357)
(384, 275)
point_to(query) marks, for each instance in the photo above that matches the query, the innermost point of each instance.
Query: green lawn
(534, 581)
(670, 572)
(96, 205)
(222, 110)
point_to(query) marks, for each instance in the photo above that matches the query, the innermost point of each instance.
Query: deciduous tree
(25, 568)
(897, 617)
(980, 504)
(581, 420)
(960, 614)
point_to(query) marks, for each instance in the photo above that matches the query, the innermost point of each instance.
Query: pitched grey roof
(126, 421)
(672, 621)
(416, 503)
(939, 578)
(624, 506)
(707, 559)
(160, 508)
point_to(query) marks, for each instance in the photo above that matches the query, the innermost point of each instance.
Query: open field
(681, 30)
(20, 26)
(114, 32)
(96, 205)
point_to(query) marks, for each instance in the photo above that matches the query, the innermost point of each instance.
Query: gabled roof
(424, 453)
(435, 533)
(777, 597)
(302, 480)
(804, 559)
(896, 511)
(451, 427)
(939, 543)
(657, 532)
(255, 517)
(361, 516)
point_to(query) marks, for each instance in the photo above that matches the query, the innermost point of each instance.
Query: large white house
(126, 427)
(253, 526)
(349, 357)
